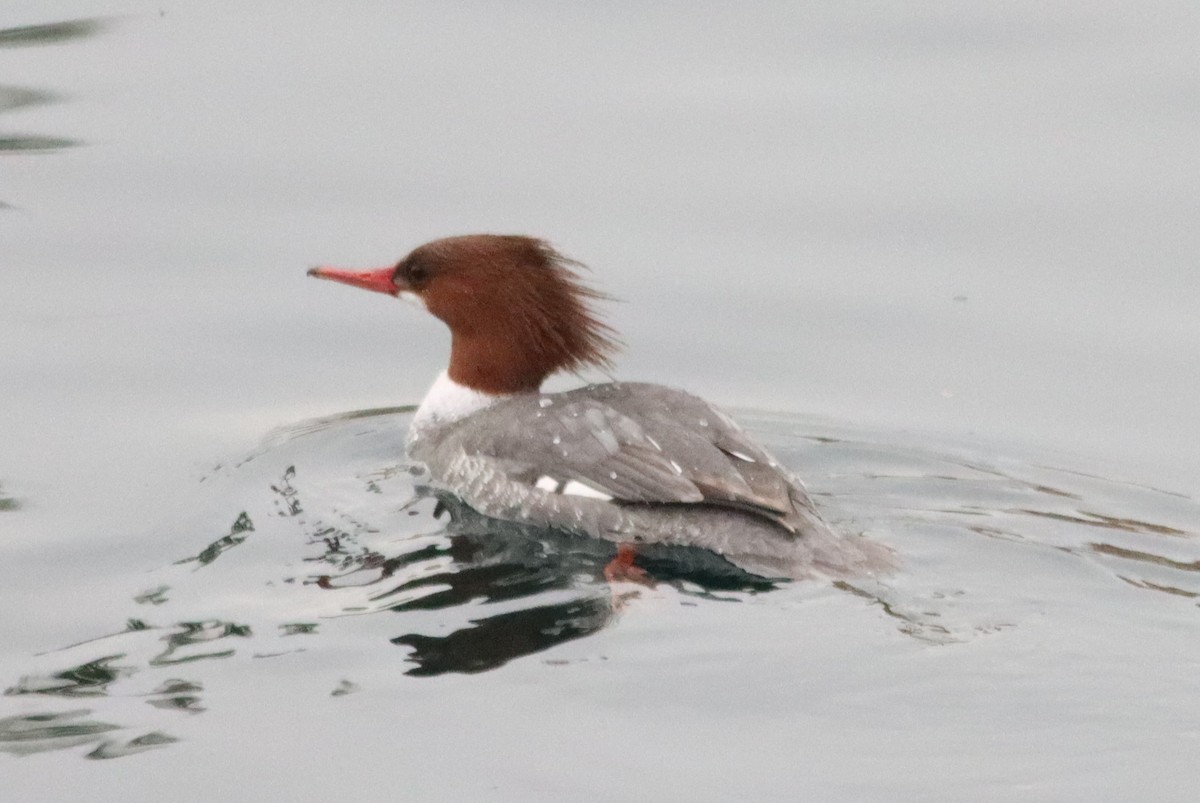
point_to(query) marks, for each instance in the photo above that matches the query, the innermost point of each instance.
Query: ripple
(33, 143)
(8, 503)
(327, 544)
(15, 97)
(52, 33)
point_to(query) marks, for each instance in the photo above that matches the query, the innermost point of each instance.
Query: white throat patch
(409, 297)
(449, 401)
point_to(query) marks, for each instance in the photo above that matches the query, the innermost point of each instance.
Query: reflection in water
(298, 628)
(30, 143)
(493, 641)
(112, 748)
(236, 535)
(191, 634)
(56, 730)
(1108, 522)
(51, 33)
(186, 643)
(917, 624)
(178, 695)
(510, 565)
(18, 97)
(338, 550)
(343, 688)
(483, 563)
(85, 680)
(517, 590)
(15, 97)
(1148, 557)
(37, 733)
(153, 596)
(909, 491)
(7, 502)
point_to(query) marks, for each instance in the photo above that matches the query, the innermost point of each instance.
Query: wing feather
(638, 444)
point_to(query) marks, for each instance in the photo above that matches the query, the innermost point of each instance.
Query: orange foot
(621, 569)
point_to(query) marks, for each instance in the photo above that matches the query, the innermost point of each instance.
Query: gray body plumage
(638, 463)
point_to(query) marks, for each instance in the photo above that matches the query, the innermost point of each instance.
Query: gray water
(953, 246)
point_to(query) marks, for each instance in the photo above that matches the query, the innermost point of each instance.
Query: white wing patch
(574, 488)
(569, 488)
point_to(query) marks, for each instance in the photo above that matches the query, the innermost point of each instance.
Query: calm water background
(939, 236)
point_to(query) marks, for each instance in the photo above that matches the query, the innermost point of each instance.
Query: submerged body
(630, 463)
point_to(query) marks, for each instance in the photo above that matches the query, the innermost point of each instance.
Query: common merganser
(629, 462)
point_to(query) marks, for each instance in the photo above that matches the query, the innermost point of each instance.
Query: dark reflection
(58, 730)
(1108, 522)
(13, 97)
(496, 640)
(288, 501)
(298, 628)
(51, 33)
(178, 695)
(85, 680)
(35, 144)
(911, 623)
(1174, 591)
(16, 97)
(236, 535)
(1145, 557)
(493, 562)
(49, 730)
(38, 733)
(185, 643)
(115, 749)
(153, 596)
(467, 595)
(7, 502)
(343, 688)
(1145, 536)
(192, 633)
(291, 432)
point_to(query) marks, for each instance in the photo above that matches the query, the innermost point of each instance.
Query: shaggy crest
(517, 309)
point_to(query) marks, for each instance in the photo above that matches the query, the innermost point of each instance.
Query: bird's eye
(412, 273)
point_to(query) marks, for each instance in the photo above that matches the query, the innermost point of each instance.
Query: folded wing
(636, 444)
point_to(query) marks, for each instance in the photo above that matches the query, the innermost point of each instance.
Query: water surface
(953, 245)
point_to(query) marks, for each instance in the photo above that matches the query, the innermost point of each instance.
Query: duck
(631, 463)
